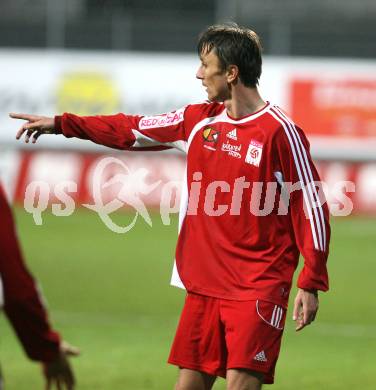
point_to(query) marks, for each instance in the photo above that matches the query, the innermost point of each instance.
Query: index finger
(26, 117)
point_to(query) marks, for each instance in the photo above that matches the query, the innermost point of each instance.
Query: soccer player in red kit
(23, 306)
(249, 207)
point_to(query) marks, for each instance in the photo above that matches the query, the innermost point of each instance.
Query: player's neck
(244, 101)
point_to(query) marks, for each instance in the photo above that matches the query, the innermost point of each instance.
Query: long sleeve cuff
(58, 128)
(309, 280)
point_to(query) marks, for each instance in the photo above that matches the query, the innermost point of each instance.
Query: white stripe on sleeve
(308, 197)
(311, 183)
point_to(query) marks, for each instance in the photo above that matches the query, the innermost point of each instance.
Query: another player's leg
(244, 380)
(194, 380)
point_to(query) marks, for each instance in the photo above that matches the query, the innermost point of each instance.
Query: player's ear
(232, 73)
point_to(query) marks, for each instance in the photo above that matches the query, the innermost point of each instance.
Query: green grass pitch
(109, 294)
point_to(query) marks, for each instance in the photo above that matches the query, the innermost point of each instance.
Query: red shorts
(215, 335)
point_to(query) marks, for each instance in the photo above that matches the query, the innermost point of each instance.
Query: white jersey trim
(249, 117)
(175, 278)
(143, 141)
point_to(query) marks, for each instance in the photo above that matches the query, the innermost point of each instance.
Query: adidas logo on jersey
(232, 135)
(261, 357)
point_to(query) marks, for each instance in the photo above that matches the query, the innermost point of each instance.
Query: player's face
(213, 77)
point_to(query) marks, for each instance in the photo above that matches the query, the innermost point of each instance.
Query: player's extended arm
(120, 131)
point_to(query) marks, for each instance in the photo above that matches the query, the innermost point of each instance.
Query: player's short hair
(234, 45)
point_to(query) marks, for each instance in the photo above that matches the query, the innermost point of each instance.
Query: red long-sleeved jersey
(22, 303)
(249, 203)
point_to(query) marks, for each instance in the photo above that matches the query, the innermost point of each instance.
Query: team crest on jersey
(254, 153)
(210, 138)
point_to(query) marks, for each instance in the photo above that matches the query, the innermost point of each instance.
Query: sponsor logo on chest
(232, 150)
(254, 153)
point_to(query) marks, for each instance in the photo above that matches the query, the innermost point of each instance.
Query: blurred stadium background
(107, 292)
